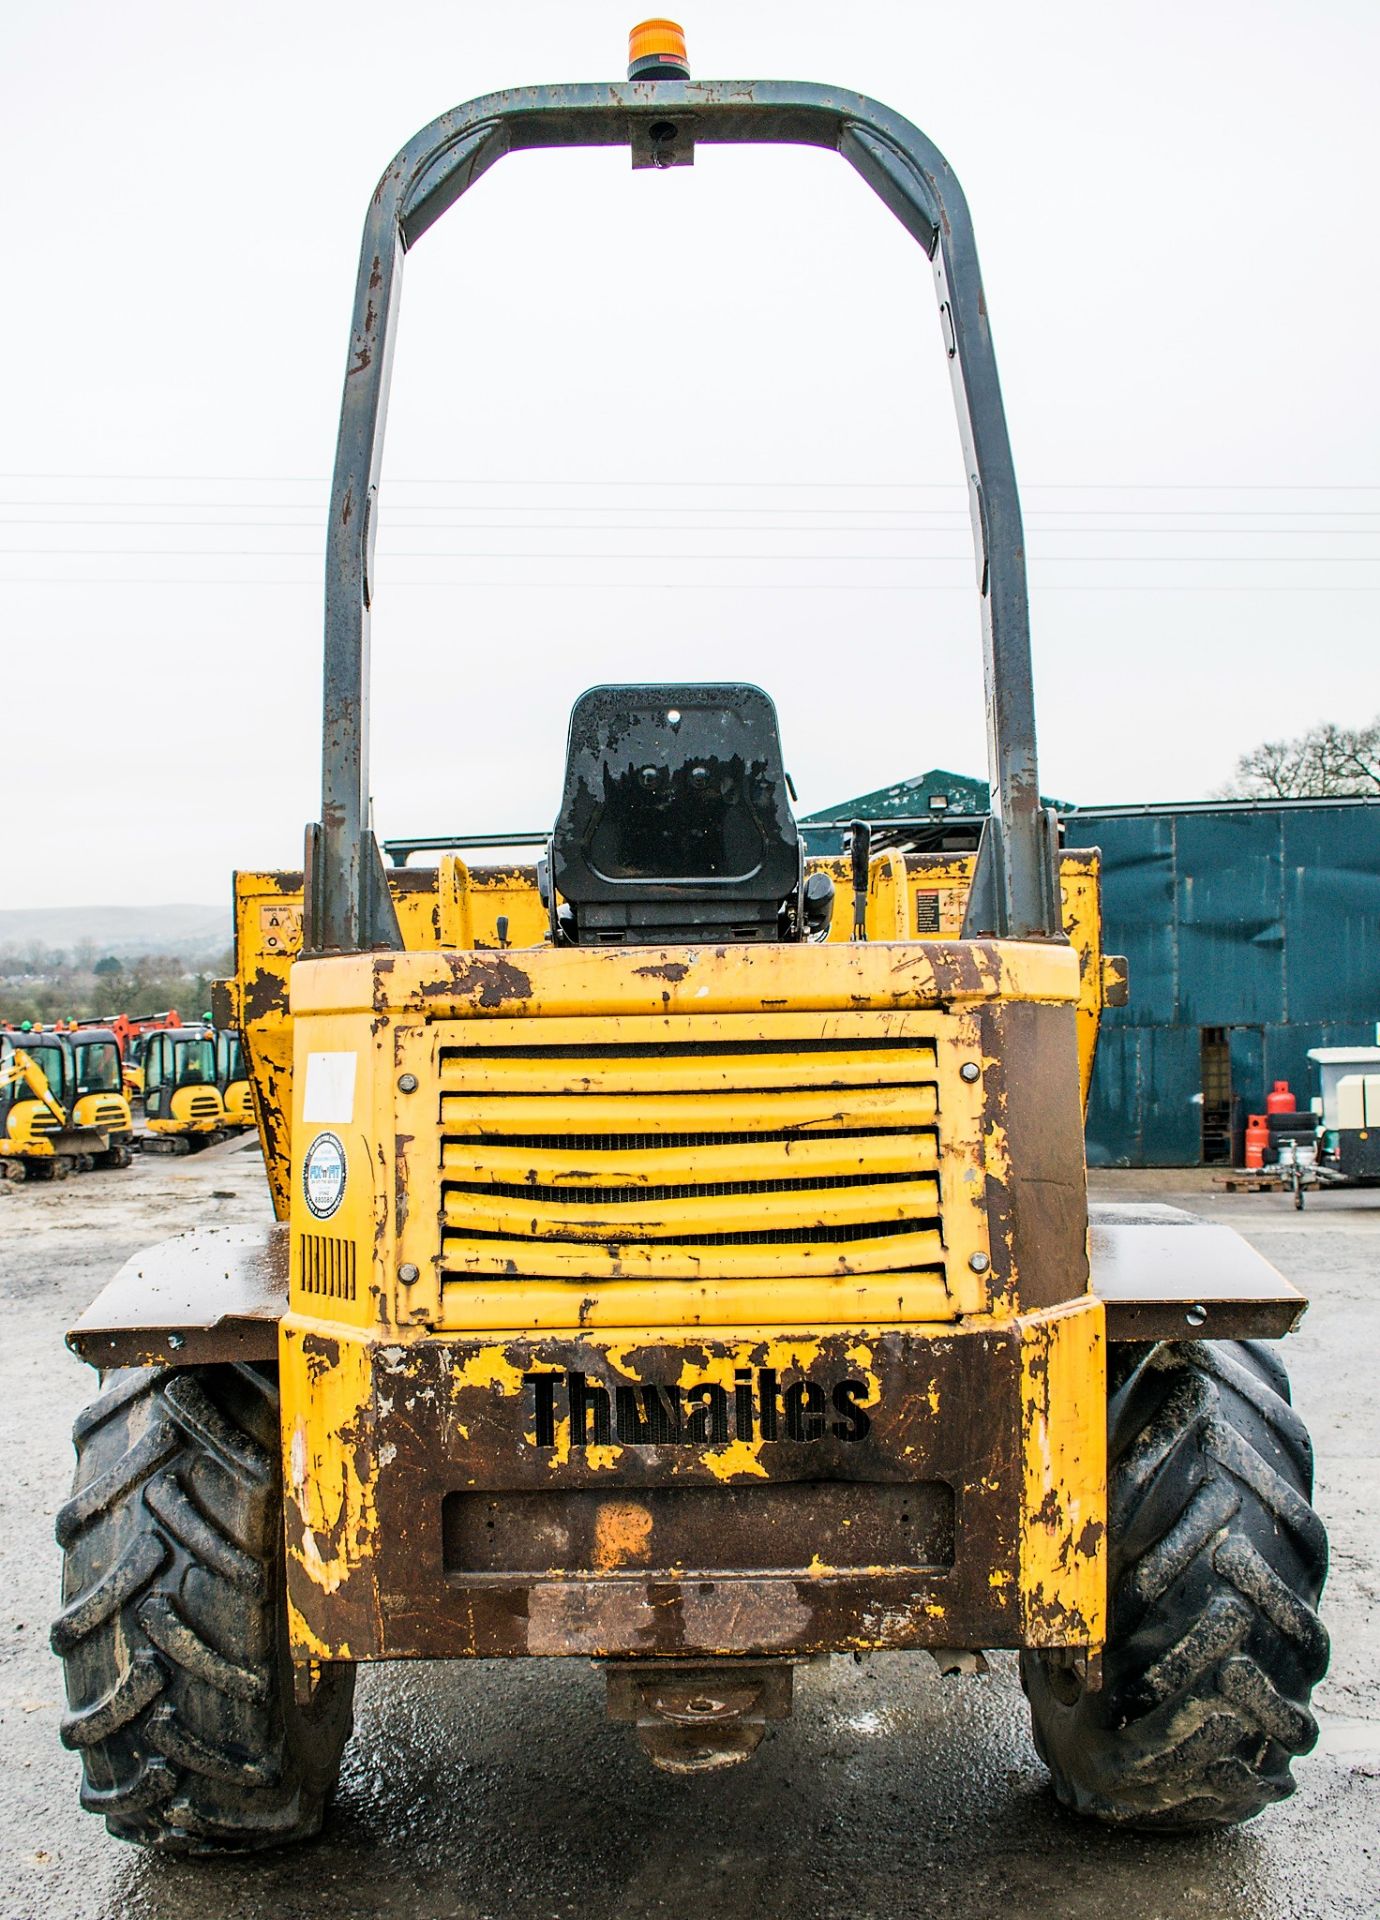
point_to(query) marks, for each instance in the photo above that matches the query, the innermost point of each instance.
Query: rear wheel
(1217, 1561)
(173, 1633)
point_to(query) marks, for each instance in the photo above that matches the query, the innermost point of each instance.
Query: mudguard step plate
(215, 1294)
(1166, 1275)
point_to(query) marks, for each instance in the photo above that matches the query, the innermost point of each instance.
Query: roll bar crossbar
(1015, 893)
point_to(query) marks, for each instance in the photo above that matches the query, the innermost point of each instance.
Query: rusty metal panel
(925, 1430)
(1033, 1163)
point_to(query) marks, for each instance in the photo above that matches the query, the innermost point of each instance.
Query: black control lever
(860, 848)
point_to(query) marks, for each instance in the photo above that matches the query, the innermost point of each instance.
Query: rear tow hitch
(692, 1719)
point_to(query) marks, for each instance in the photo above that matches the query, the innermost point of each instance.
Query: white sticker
(330, 1093)
(323, 1175)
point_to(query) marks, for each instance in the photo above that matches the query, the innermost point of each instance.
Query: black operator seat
(675, 825)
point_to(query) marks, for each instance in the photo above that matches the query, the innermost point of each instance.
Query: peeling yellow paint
(307, 1644)
(739, 1457)
(487, 1366)
(1064, 1495)
(329, 1460)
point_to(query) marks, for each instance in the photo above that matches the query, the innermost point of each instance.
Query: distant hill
(194, 931)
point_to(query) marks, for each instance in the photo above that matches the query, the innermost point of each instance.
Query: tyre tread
(1217, 1561)
(173, 1627)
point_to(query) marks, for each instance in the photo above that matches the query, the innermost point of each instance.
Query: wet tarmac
(500, 1789)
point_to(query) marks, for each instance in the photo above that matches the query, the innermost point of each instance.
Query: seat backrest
(675, 823)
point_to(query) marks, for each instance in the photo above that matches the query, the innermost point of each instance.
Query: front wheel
(173, 1633)
(1217, 1561)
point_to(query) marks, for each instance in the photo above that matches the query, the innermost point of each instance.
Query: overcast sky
(687, 425)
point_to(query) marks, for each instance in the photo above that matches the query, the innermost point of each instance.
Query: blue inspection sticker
(323, 1175)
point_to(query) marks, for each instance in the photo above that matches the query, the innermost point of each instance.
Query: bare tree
(1328, 762)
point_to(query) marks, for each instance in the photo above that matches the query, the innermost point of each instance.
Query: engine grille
(690, 1160)
(326, 1266)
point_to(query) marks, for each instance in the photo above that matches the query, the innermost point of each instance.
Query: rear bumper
(663, 1494)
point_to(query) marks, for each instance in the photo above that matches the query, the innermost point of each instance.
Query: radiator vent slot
(326, 1266)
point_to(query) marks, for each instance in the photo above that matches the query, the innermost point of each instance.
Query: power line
(680, 586)
(913, 486)
(807, 559)
(958, 518)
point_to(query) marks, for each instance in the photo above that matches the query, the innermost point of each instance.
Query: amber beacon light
(656, 51)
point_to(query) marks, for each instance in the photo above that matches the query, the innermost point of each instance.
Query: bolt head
(407, 1274)
(407, 1083)
(969, 1071)
(979, 1262)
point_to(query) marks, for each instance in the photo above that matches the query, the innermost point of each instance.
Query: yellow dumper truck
(683, 1258)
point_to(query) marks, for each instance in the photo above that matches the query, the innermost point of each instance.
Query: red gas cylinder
(1257, 1139)
(1280, 1100)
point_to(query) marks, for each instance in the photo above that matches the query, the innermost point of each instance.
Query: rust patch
(265, 994)
(622, 1535)
(401, 1142)
(320, 1353)
(486, 980)
(1090, 1539)
(1050, 1511)
(672, 970)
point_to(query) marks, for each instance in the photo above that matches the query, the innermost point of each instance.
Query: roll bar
(1015, 892)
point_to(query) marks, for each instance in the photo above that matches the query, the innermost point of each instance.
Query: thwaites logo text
(759, 1406)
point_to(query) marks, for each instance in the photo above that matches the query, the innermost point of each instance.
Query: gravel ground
(496, 1789)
